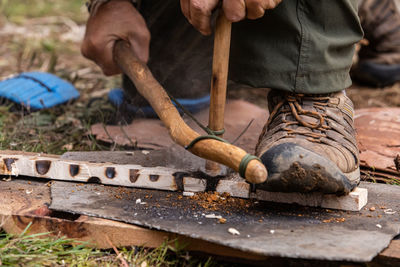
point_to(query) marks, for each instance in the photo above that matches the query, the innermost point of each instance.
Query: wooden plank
(393, 251)
(390, 256)
(38, 165)
(17, 163)
(354, 201)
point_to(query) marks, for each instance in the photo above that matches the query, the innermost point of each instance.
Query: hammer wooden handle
(179, 131)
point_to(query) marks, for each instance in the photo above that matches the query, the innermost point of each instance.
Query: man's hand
(198, 12)
(114, 21)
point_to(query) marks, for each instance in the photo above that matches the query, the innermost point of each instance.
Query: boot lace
(317, 130)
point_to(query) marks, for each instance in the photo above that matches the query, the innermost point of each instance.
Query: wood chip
(389, 211)
(188, 194)
(233, 231)
(222, 220)
(213, 216)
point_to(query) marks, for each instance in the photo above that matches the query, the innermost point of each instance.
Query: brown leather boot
(308, 144)
(379, 61)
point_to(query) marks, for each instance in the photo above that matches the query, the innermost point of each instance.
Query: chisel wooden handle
(222, 41)
(224, 153)
(219, 79)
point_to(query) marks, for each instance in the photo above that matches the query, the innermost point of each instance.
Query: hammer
(211, 149)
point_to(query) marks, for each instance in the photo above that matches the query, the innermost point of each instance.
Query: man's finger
(185, 8)
(106, 60)
(255, 8)
(140, 45)
(101, 53)
(235, 10)
(270, 4)
(200, 15)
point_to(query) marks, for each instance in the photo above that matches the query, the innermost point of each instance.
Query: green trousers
(302, 46)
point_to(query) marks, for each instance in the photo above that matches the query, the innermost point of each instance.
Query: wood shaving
(233, 231)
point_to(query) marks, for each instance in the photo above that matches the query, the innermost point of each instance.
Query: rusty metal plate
(151, 134)
(378, 134)
(265, 228)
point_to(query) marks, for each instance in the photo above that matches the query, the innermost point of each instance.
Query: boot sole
(292, 168)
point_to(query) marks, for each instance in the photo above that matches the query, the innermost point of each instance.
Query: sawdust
(215, 201)
(337, 220)
(222, 220)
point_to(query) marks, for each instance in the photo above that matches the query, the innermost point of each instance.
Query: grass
(39, 249)
(43, 250)
(18, 11)
(55, 130)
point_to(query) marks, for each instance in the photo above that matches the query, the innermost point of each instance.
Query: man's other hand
(198, 12)
(114, 21)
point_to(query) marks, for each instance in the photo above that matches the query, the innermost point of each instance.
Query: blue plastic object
(37, 90)
(117, 98)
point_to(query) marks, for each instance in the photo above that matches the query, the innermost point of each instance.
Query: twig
(127, 137)
(109, 136)
(243, 132)
(189, 114)
(380, 170)
(119, 255)
(393, 145)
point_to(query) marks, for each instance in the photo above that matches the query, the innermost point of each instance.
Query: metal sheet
(265, 228)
